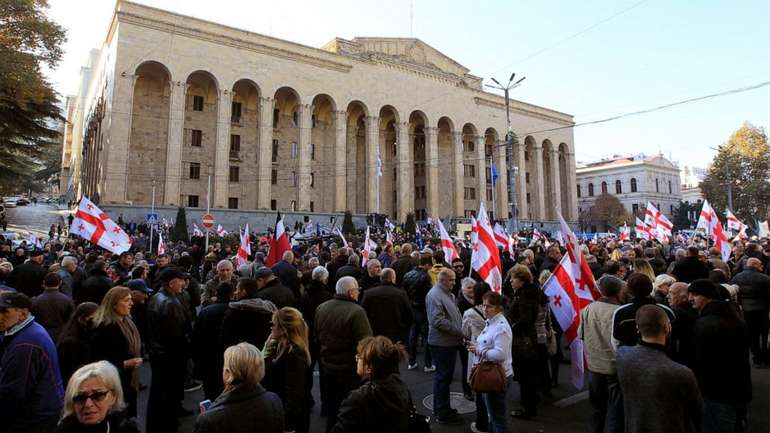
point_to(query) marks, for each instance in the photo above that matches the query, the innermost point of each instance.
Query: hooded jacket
(247, 320)
(377, 406)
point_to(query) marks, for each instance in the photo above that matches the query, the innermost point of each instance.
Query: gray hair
(313, 262)
(445, 272)
(319, 274)
(680, 253)
(69, 259)
(467, 281)
(663, 279)
(353, 259)
(344, 284)
(610, 285)
(102, 370)
(388, 275)
(371, 263)
(224, 263)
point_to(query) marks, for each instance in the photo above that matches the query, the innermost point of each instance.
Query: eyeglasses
(96, 397)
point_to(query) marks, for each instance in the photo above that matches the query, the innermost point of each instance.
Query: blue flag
(494, 174)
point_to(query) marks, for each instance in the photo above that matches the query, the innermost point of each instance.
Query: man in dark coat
(404, 263)
(287, 273)
(249, 317)
(624, 330)
(52, 308)
(659, 395)
(122, 267)
(271, 289)
(683, 329)
(207, 348)
(721, 359)
(340, 260)
(371, 276)
(95, 286)
(351, 269)
(553, 257)
(690, 268)
(388, 308)
(754, 295)
(28, 277)
(417, 284)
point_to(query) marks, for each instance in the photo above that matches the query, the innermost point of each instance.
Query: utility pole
(208, 209)
(152, 215)
(509, 143)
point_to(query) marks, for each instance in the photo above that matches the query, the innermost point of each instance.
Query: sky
(592, 59)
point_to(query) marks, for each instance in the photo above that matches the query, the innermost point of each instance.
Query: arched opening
(356, 157)
(285, 148)
(149, 133)
(322, 162)
(564, 175)
(417, 124)
(244, 142)
(590, 190)
(633, 184)
(388, 161)
(548, 188)
(470, 159)
(618, 187)
(446, 158)
(491, 150)
(530, 177)
(200, 148)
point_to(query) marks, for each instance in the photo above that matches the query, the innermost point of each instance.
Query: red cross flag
(569, 289)
(450, 252)
(501, 237)
(95, 226)
(656, 220)
(485, 259)
(736, 225)
(707, 219)
(625, 233)
(221, 232)
(369, 245)
(641, 229)
(244, 249)
(196, 230)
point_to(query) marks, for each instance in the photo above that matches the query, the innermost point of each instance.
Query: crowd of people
(668, 345)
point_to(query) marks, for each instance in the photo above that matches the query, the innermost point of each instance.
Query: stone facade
(634, 180)
(170, 100)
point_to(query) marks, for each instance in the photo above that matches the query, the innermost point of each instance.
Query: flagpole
(208, 210)
(152, 215)
(492, 177)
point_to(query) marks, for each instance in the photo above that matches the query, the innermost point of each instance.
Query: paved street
(566, 412)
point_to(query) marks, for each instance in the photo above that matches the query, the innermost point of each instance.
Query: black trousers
(166, 393)
(338, 386)
(758, 324)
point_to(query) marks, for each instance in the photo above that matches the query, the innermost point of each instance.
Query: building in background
(634, 180)
(370, 125)
(691, 179)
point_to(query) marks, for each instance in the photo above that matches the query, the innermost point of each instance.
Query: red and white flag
(474, 231)
(221, 232)
(196, 230)
(736, 225)
(279, 243)
(485, 259)
(450, 252)
(244, 249)
(707, 219)
(369, 245)
(569, 289)
(95, 226)
(656, 220)
(625, 233)
(641, 229)
(161, 245)
(501, 237)
(721, 242)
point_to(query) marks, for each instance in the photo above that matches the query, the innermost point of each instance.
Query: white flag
(95, 226)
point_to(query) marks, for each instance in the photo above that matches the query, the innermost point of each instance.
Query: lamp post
(509, 141)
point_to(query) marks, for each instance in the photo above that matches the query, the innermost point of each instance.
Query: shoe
(469, 396)
(476, 429)
(412, 366)
(429, 369)
(521, 414)
(452, 419)
(192, 386)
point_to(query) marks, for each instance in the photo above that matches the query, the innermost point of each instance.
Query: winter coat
(402, 265)
(683, 335)
(689, 269)
(118, 423)
(247, 320)
(389, 312)
(108, 343)
(445, 323)
(277, 293)
(210, 290)
(287, 273)
(288, 377)
(367, 282)
(417, 284)
(74, 351)
(378, 406)
(52, 309)
(28, 278)
(340, 323)
(168, 325)
(348, 271)
(94, 287)
(753, 290)
(208, 350)
(624, 330)
(315, 294)
(245, 409)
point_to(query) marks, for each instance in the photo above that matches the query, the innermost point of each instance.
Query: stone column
(222, 153)
(303, 169)
(340, 160)
(265, 159)
(431, 168)
(501, 194)
(556, 182)
(175, 142)
(539, 199)
(405, 172)
(521, 187)
(481, 193)
(372, 178)
(572, 187)
(458, 174)
(116, 159)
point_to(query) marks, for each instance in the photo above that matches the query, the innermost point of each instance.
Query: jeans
(338, 386)
(419, 327)
(444, 359)
(606, 403)
(482, 415)
(758, 324)
(464, 371)
(723, 418)
(497, 408)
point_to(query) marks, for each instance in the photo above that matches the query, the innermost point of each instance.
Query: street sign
(152, 218)
(207, 221)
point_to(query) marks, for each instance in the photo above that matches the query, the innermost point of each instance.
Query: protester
(271, 289)
(624, 330)
(224, 274)
(388, 308)
(27, 276)
(371, 276)
(417, 284)
(94, 402)
(754, 294)
(465, 301)
(474, 322)
(690, 267)
(52, 308)
(208, 350)
(683, 329)
(72, 276)
(74, 344)
(96, 285)
(661, 285)
(287, 273)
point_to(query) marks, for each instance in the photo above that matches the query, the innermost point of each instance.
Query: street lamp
(509, 140)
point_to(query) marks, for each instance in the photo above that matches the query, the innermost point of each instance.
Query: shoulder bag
(487, 376)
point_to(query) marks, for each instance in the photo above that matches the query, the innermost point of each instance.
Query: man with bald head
(288, 273)
(388, 308)
(754, 294)
(683, 329)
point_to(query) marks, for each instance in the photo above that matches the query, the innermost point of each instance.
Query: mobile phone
(204, 405)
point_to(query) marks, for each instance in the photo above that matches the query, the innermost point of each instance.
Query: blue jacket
(30, 383)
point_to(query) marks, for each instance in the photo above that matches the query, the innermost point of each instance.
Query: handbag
(487, 376)
(418, 423)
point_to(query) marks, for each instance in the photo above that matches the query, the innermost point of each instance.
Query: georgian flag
(197, 231)
(279, 243)
(536, 236)
(161, 245)
(656, 220)
(734, 224)
(221, 232)
(388, 237)
(474, 231)
(244, 249)
(450, 252)
(485, 259)
(642, 231)
(96, 227)
(707, 219)
(501, 237)
(625, 233)
(389, 225)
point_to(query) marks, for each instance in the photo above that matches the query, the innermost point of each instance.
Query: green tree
(683, 214)
(180, 227)
(608, 211)
(28, 40)
(745, 160)
(347, 224)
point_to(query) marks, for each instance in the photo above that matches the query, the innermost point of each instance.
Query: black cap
(704, 287)
(169, 274)
(138, 284)
(14, 300)
(262, 272)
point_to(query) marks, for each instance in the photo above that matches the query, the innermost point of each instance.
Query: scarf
(134, 343)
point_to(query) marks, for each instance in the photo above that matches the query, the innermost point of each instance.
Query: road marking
(573, 399)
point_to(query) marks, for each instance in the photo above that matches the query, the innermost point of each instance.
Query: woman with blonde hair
(116, 339)
(643, 267)
(287, 367)
(93, 402)
(244, 406)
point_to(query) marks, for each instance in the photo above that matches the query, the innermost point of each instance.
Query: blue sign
(152, 218)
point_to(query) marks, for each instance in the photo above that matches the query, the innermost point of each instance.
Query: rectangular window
(312, 120)
(489, 195)
(293, 178)
(528, 198)
(312, 180)
(470, 193)
(276, 116)
(312, 151)
(197, 103)
(192, 201)
(235, 115)
(274, 177)
(312, 207)
(526, 177)
(274, 157)
(232, 203)
(295, 118)
(235, 145)
(195, 170)
(294, 150)
(635, 208)
(235, 172)
(273, 205)
(469, 170)
(293, 206)
(196, 138)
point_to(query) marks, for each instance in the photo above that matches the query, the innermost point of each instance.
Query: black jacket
(389, 311)
(27, 278)
(277, 293)
(287, 273)
(315, 294)
(753, 290)
(689, 269)
(332, 267)
(722, 354)
(683, 335)
(207, 348)
(378, 406)
(168, 325)
(93, 288)
(118, 423)
(340, 323)
(348, 271)
(288, 377)
(247, 320)
(109, 344)
(74, 351)
(245, 409)
(624, 332)
(367, 282)
(52, 309)
(417, 284)
(402, 265)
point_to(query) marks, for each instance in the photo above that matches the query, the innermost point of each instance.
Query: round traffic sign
(207, 221)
